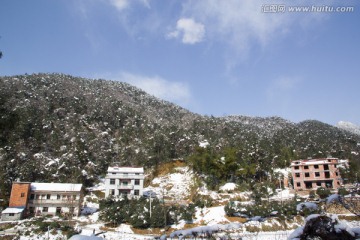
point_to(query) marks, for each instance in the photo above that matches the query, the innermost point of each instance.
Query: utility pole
(48, 232)
(280, 190)
(150, 205)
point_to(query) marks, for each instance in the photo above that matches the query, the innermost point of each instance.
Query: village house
(127, 181)
(315, 173)
(29, 199)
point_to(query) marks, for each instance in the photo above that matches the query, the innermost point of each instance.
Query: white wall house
(124, 181)
(54, 198)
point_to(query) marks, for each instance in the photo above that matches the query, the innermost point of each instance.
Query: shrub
(342, 191)
(284, 210)
(312, 194)
(323, 192)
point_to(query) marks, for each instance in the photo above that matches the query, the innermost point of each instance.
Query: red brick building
(315, 173)
(19, 194)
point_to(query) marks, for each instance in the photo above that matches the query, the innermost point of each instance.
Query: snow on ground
(204, 144)
(228, 187)
(175, 185)
(282, 194)
(210, 216)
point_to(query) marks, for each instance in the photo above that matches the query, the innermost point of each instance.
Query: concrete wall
(7, 217)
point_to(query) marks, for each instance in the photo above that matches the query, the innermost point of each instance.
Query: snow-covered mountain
(348, 126)
(70, 129)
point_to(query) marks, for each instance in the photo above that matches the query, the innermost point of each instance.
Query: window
(48, 196)
(297, 174)
(318, 184)
(32, 196)
(125, 183)
(326, 167)
(316, 166)
(337, 174)
(74, 197)
(137, 173)
(137, 181)
(335, 165)
(112, 181)
(22, 194)
(58, 197)
(296, 167)
(136, 192)
(123, 192)
(307, 174)
(45, 209)
(317, 174)
(298, 184)
(308, 185)
(58, 210)
(11, 214)
(306, 167)
(37, 196)
(31, 210)
(112, 192)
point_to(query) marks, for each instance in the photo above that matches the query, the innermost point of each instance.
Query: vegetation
(71, 129)
(323, 192)
(136, 212)
(284, 210)
(42, 225)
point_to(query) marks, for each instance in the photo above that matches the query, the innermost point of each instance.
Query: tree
(323, 192)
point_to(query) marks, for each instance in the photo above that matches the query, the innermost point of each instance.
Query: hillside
(349, 127)
(57, 127)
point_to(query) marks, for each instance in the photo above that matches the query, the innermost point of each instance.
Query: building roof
(58, 187)
(126, 169)
(84, 237)
(312, 161)
(13, 210)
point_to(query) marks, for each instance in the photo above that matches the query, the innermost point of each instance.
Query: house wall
(312, 174)
(120, 183)
(19, 194)
(52, 203)
(8, 217)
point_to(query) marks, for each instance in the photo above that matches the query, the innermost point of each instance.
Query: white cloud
(240, 23)
(189, 31)
(242, 26)
(119, 4)
(176, 92)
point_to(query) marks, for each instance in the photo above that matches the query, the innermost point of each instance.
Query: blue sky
(212, 57)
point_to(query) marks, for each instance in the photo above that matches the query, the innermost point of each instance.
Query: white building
(124, 181)
(54, 198)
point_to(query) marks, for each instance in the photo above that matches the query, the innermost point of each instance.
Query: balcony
(125, 187)
(64, 201)
(125, 176)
